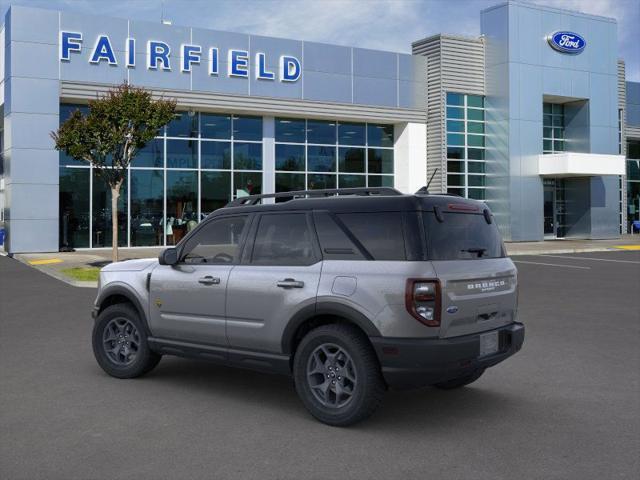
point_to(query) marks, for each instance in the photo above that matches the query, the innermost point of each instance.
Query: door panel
(279, 276)
(258, 309)
(188, 302)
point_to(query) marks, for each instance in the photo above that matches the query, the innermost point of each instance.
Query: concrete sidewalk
(626, 242)
(54, 263)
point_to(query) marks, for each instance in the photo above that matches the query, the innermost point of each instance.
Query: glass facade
(200, 161)
(552, 128)
(317, 154)
(197, 164)
(633, 182)
(465, 130)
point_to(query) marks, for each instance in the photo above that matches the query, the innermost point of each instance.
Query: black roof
(386, 199)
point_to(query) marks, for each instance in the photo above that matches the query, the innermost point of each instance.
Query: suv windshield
(462, 236)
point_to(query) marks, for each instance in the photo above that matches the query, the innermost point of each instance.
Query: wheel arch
(116, 294)
(323, 313)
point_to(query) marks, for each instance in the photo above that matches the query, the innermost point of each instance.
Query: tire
(119, 342)
(460, 381)
(357, 389)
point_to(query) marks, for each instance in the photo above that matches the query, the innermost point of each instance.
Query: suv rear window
(462, 236)
(380, 233)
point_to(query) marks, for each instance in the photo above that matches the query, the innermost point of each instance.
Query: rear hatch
(478, 282)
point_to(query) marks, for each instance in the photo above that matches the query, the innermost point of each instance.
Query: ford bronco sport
(350, 291)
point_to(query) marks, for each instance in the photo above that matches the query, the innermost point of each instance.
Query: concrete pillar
(31, 112)
(410, 156)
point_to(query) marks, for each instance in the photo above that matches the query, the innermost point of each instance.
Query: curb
(563, 251)
(58, 276)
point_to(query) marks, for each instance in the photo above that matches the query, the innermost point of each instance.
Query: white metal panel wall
(454, 64)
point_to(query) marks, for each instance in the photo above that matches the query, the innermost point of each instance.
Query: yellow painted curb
(628, 247)
(47, 261)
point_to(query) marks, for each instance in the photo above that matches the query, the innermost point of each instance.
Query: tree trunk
(115, 193)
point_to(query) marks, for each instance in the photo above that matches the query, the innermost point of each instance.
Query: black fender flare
(124, 291)
(326, 308)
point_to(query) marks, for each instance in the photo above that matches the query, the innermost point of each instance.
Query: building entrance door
(555, 208)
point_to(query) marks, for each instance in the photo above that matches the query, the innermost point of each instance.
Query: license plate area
(489, 344)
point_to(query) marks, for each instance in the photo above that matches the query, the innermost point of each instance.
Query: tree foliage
(117, 126)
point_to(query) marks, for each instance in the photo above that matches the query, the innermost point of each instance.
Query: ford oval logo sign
(567, 42)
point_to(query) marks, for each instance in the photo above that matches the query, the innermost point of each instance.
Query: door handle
(209, 280)
(290, 283)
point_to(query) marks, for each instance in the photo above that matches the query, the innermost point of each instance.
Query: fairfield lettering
(160, 57)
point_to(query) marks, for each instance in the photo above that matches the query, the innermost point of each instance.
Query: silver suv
(350, 291)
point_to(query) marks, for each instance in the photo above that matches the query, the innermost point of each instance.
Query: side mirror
(169, 256)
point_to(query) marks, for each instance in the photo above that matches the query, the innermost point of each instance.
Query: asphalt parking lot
(566, 407)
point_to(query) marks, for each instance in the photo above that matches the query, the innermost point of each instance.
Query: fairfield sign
(159, 56)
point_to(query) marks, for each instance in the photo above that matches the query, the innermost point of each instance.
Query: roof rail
(254, 199)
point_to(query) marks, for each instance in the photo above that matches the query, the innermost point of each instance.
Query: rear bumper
(414, 363)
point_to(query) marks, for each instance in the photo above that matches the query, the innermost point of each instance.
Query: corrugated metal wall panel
(454, 64)
(622, 101)
(632, 132)
(622, 86)
(261, 105)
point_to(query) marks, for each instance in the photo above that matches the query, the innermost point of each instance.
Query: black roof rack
(254, 199)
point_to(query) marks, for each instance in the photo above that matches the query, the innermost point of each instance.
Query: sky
(378, 24)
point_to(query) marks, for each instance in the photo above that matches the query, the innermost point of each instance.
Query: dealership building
(534, 117)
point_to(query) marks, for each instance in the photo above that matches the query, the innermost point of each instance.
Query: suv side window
(380, 233)
(283, 239)
(217, 242)
(334, 241)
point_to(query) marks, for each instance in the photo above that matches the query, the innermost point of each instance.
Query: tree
(117, 126)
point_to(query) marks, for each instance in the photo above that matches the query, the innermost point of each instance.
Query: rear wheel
(120, 343)
(460, 381)
(337, 375)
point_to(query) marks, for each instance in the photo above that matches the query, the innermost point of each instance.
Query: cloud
(378, 24)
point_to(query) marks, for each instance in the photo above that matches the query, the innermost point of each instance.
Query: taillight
(422, 298)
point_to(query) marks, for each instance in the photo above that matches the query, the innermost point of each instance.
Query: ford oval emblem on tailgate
(452, 309)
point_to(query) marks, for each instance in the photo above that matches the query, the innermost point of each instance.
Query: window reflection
(74, 207)
(151, 155)
(101, 215)
(290, 158)
(320, 131)
(351, 133)
(290, 130)
(247, 183)
(380, 161)
(247, 156)
(215, 190)
(247, 128)
(215, 155)
(215, 126)
(182, 206)
(184, 124)
(321, 159)
(182, 154)
(351, 160)
(147, 187)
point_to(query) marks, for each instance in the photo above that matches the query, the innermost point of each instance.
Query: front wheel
(337, 375)
(120, 343)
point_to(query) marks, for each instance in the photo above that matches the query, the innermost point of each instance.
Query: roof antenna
(162, 19)
(425, 190)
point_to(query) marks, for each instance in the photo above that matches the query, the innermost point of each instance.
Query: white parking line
(591, 258)
(552, 264)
